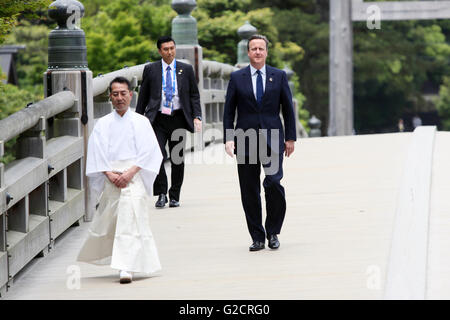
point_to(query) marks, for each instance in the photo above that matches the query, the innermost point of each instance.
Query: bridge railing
(216, 76)
(41, 191)
(212, 97)
(44, 191)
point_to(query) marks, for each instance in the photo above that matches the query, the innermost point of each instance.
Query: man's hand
(229, 148)
(124, 179)
(197, 125)
(289, 147)
(112, 176)
(121, 180)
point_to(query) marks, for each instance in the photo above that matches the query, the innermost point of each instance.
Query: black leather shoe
(162, 200)
(257, 245)
(174, 203)
(273, 242)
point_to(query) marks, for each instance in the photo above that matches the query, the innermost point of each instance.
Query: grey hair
(258, 36)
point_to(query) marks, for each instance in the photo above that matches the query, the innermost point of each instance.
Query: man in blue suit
(257, 92)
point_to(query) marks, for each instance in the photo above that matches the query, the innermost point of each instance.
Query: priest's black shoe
(273, 242)
(174, 203)
(257, 245)
(162, 200)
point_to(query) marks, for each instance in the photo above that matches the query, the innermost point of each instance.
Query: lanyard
(174, 79)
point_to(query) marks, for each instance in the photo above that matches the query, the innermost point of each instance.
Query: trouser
(120, 235)
(164, 126)
(250, 185)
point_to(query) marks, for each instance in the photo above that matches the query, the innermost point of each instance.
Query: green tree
(32, 62)
(391, 65)
(12, 99)
(307, 26)
(124, 32)
(10, 10)
(218, 22)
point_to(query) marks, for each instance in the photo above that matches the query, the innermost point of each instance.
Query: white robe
(120, 234)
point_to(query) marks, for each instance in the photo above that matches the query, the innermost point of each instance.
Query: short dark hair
(162, 40)
(258, 36)
(120, 80)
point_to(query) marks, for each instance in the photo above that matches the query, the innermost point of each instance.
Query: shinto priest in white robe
(120, 233)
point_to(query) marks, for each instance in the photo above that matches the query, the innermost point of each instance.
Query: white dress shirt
(175, 98)
(254, 75)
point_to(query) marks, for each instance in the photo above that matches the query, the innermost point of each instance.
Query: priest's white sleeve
(97, 158)
(149, 156)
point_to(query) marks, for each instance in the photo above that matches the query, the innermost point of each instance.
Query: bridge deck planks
(341, 200)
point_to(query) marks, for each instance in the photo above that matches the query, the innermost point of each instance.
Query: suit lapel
(179, 76)
(249, 86)
(158, 78)
(269, 80)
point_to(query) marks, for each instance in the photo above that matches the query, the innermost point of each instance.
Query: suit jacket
(250, 115)
(149, 100)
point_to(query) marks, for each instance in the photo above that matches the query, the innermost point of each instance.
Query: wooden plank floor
(341, 199)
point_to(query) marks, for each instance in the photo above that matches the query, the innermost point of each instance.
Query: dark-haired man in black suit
(170, 99)
(256, 93)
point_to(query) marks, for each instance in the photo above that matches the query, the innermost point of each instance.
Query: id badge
(166, 110)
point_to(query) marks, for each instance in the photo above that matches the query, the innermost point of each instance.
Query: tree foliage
(10, 10)
(12, 99)
(124, 32)
(32, 61)
(392, 65)
(219, 20)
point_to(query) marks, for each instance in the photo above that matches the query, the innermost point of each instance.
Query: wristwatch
(198, 117)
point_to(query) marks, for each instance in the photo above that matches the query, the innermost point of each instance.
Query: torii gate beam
(403, 10)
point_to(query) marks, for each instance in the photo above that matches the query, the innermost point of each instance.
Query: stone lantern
(314, 123)
(67, 43)
(184, 26)
(245, 32)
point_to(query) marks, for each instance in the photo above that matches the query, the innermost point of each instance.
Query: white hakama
(120, 235)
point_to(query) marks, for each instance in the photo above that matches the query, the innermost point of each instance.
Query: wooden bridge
(348, 226)
(367, 216)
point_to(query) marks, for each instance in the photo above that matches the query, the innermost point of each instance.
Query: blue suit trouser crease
(250, 185)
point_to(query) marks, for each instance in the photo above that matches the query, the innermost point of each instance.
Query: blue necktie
(259, 87)
(168, 91)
